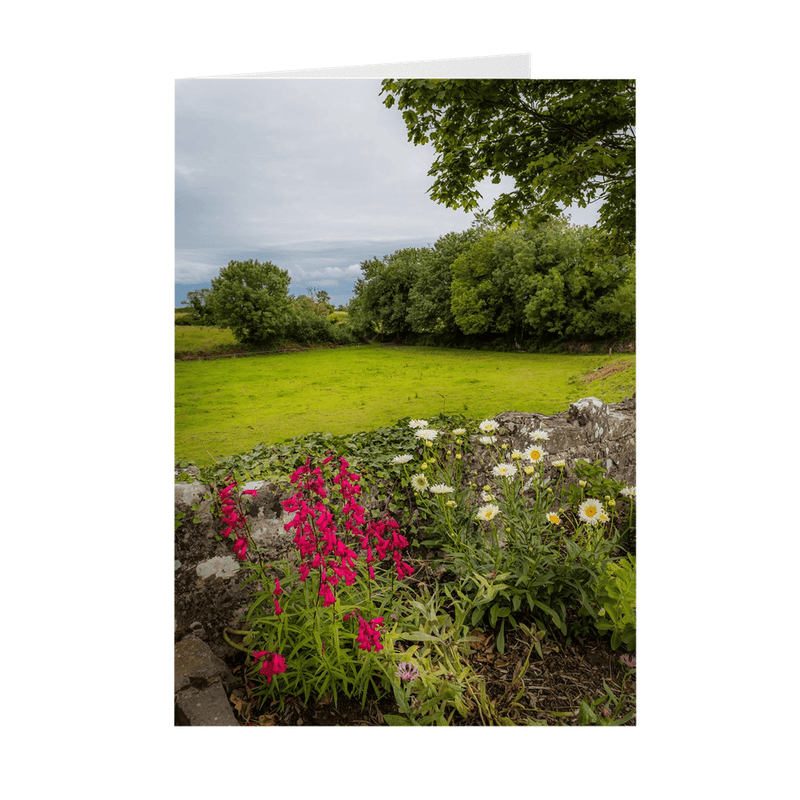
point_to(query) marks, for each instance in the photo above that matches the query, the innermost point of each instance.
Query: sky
(315, 175)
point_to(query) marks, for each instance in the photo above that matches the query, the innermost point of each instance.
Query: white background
(88, 212)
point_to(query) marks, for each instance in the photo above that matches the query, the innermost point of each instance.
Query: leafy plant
(322, 629)
(444, 683)
(615, 591)
(514, 558)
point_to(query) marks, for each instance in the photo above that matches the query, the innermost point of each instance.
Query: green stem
(225, 633)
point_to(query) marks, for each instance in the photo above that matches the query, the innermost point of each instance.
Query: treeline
(251, 298)
(528, 286)
(532, 286)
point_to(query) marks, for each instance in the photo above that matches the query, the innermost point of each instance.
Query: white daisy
(488, 425)
(441, 488)
(590, 511)
(428, 435)
(504, 470)
(535, 454)
(516, 455)
(540, 436)
(487, 439)
(459, 431)
(418, 423)
(486, 497)
(419, 483)
(560, 463)
(487, 512)
(628, 491)
(403, 459)
(553, 518)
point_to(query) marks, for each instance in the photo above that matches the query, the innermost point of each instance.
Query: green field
(202, 338)
(228, 405)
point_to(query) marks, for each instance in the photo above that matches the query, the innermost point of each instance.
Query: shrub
(252, 299)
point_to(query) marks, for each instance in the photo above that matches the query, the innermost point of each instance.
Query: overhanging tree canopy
(562, 141)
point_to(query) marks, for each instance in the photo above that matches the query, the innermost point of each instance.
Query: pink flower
(278, 609)
(406, 671)
(368, 635)
(278, 589)
(240, 549)
(252, 492)
(327, 595)
(274, 663)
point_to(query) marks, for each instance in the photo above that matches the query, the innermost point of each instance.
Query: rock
(208, 706)
(589, 429)
(187, 494)
(196, 665)
(218, 567)
(202, 684)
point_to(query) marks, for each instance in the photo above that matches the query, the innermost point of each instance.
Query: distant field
(227, 406)
(200, 339)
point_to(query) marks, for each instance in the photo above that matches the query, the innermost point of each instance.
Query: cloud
(182, 169)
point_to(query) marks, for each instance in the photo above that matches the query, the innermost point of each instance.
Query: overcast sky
(315, 175)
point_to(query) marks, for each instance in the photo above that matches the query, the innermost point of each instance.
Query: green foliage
(319, 646)
(608, 709)
(429, 298)
(512, 564)
(447, 684)
(202, 312)
(564, 142)
(251, 298)
(476, 299)
(383, 293)
(530, 284)
(615, 592)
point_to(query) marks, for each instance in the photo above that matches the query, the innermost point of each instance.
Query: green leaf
(418, 636)
(394, 720)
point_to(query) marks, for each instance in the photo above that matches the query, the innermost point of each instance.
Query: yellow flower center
(590, 511)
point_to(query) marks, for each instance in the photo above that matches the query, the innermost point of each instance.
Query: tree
(252, 299)
(429, 298)
(198, 300)
(381, 300)
(537, 283)
(562, 141)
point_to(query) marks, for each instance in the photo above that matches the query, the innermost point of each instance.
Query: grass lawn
(229, 405)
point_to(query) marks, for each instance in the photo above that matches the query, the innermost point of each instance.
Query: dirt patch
(608, 369)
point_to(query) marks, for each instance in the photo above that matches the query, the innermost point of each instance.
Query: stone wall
(589, 429)
(209, 595)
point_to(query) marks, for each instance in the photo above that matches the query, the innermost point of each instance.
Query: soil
(604, 372)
